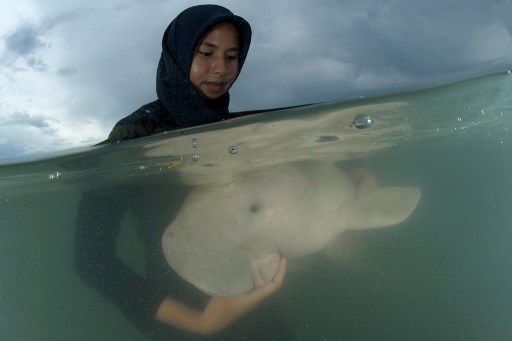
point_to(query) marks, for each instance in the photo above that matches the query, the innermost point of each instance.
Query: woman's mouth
(215, 87)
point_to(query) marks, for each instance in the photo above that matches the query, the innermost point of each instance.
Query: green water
(443, 274)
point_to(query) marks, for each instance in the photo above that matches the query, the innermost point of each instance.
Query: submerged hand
(221, 312)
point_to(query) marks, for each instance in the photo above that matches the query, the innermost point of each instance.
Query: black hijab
(174, 89)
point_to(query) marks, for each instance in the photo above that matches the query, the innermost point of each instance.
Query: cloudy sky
(70, 69)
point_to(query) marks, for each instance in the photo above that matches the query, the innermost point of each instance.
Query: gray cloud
(25, 43)
(26, 40)
(66, 71)
(305, 53)
(36, 63)
(12, 145)
(9, 149)
(27, 120)
(420, 40)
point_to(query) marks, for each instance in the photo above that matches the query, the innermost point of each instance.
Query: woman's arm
(220, 312)
(97, 227)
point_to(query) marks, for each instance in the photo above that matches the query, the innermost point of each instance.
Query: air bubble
(195, 143)
(195, 157)
(233, 149)
(54, 176)
(361, 121)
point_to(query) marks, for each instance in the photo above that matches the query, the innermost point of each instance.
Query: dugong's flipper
(380, 208)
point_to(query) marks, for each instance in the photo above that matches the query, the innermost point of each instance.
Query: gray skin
(228, 239)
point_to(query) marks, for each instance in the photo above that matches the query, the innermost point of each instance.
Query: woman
(203, 51)
(194, 74)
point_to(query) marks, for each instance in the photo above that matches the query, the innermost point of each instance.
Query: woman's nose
(218, 66)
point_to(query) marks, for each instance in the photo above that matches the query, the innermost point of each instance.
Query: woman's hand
(220, 312)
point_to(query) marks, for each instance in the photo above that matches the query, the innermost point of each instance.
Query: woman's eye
(231, 57)
(205, 53)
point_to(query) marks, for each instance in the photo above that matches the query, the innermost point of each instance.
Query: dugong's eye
(254, 208)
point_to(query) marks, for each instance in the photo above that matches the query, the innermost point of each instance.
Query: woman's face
(215, 64)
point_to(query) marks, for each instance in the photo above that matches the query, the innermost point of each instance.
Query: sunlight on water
(443, 273)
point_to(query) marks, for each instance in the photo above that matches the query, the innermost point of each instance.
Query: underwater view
(423, 253)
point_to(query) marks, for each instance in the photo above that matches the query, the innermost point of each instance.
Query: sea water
(445, 273)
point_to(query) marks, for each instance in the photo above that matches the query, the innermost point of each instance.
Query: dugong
(227, 237)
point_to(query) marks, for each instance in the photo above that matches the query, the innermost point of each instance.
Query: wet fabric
(99, 224)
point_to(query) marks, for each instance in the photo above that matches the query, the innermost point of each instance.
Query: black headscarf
(174, 89)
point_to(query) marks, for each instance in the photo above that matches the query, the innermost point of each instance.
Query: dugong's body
(224, 234)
